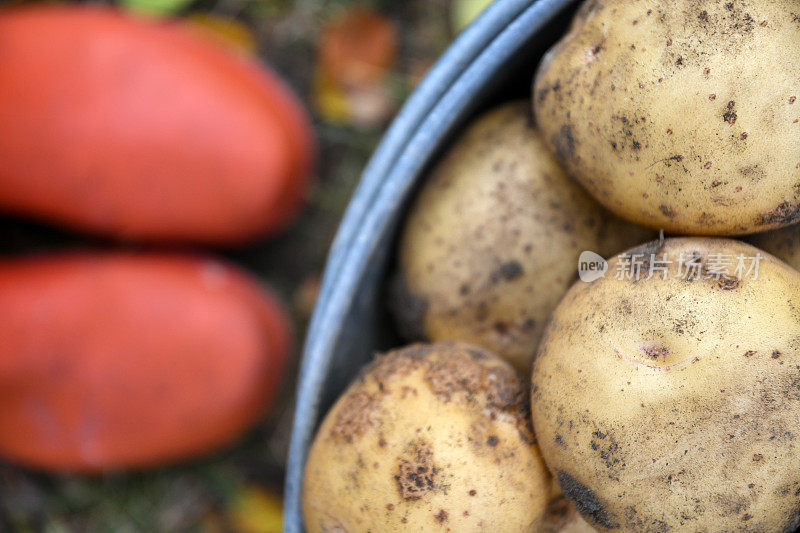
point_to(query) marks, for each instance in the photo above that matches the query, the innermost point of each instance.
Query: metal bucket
(491, 61)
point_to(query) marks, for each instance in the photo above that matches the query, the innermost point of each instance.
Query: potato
(492, 241)
(144, 131)
(115, 360)
(783, 243)
(680, 115)
(428, 438)
(674, 404)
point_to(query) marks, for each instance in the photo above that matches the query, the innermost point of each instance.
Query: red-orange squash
(115, 360)
(142, 130)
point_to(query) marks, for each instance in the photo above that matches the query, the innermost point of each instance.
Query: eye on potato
(561, 516)
(491, 243)
(674, 404)
(680, 115)
(429, 438)
(783, 243)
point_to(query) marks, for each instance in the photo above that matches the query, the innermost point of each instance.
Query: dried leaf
(356, 48)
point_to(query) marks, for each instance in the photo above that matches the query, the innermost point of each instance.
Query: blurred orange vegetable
(143, 130)
(119, 360)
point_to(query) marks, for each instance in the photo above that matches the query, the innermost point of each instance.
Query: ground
(239, 488)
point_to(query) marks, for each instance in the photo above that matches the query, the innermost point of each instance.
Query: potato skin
(492, 241)
(561, 516)
(665, 405)
(119, 360)
(680, 115)
(143, 131)
(428, 438)
(783, 243)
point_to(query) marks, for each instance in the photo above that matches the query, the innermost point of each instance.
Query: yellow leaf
(229, 33)
(465, 11)
(155, 8)
(257, 510)
(330, 100)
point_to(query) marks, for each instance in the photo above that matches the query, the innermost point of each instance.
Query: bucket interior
(368, 327)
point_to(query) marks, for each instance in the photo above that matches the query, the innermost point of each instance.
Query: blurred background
(352, 63)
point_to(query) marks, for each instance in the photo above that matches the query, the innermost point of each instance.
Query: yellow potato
(680, 114)
(492, 241)
(783, 243)
(674, 404)
(429, 438)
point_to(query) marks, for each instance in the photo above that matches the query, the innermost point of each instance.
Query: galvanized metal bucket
(491, 61)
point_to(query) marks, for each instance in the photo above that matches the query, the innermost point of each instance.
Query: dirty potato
(492, 241)
(783, 243)
(680, 114)
(429, 438)
(673, 402)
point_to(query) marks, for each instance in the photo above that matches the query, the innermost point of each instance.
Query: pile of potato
(664, 393)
